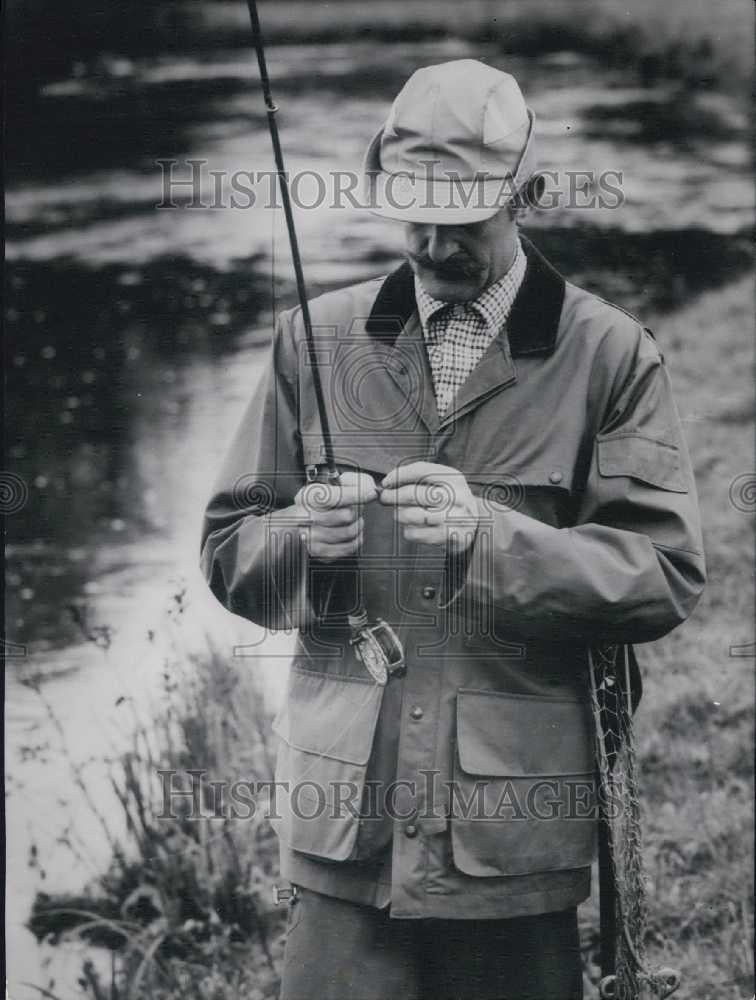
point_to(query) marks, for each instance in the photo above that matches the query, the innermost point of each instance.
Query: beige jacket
(589, 533)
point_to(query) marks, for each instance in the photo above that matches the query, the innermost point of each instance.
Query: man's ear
(529, 195)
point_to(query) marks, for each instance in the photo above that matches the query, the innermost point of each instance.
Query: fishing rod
(376, 644)
(271, 109)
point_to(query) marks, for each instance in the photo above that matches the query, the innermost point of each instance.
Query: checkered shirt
(456, 336)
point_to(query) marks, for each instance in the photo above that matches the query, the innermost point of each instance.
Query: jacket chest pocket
(524, 791)
(326, 730)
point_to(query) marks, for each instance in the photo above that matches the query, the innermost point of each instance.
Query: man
(515, 489)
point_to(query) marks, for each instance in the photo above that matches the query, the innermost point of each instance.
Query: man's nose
(441, 243)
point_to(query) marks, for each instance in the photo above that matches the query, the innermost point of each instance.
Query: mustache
(457, 266)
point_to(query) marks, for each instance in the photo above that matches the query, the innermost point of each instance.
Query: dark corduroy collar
(533, 321)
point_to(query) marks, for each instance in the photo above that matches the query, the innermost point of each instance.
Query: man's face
(455, 263)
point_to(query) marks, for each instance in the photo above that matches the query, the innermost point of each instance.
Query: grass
(185, 905)
(696, 725)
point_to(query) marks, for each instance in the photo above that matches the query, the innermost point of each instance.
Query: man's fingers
(325, 496)
(433, 495)
(414, 472)
(420, 516)
(328, 550)
(335, 517)
(328, 496)
(336, 534)
(361, 483)
(428, 536)
(455, 541)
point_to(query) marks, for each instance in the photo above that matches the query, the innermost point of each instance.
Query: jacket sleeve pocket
(524, 794)
(326, 729)
(640, 457)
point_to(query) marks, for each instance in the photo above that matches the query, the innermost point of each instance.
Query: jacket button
(416, 712)
(555, 477)
(429, 593)
(410, 830)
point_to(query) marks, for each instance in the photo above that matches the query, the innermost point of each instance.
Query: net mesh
(619, 802)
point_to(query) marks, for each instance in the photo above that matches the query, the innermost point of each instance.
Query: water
(140, 338)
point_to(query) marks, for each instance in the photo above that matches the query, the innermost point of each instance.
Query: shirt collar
(493, 304)
(533, 323)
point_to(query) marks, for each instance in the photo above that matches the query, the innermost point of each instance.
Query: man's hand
(330, 512)
(433, 503)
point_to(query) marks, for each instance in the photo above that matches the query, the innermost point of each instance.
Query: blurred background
(135, 336)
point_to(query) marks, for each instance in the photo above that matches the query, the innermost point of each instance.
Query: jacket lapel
(495, 370)
(393, 305)
(531, 329)
(533, 323)
(394, 323)
(411, 368)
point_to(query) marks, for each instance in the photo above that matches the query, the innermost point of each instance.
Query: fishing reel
(660, 984)
(377, 646)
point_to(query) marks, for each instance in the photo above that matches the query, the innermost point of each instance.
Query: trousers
(339, 950)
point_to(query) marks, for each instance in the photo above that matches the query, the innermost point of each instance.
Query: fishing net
(612, 699)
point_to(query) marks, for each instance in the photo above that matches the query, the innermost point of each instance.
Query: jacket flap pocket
(508, 735)
(654, 462)
(330, 716)
(505, 486)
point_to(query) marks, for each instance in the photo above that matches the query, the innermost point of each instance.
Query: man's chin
(449, 289)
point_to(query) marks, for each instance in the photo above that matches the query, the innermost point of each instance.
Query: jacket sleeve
(632, 566)
(252, 556)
